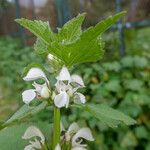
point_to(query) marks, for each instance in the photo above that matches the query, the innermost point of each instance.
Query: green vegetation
(125, 85)
(121, 83)
(13, 58)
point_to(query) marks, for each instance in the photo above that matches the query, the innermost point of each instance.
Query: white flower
(41, 90)
(77, 79)
(61, 99)
(75, 135)
(66, 88)
(34, 132)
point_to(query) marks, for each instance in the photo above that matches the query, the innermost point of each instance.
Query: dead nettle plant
(68, 47)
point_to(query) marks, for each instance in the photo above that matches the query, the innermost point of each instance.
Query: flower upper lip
(35, 73)
(41, 90)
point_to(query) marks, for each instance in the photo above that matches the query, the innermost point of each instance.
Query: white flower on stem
(66, 88)
(75, 135)
(34, 132)
(41, 90)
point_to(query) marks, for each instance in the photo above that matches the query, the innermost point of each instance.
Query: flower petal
(61, 100)
(73, 128)
(79, 98)
(38, 87)
(77, 79)
(42, 90)
(36, 144)
(57, 147)
(84, 133)
(60, 86)
(28, 96)
(35, 73)
(33, 132)
(64, 75)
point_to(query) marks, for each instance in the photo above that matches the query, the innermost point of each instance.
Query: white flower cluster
(66, 87)
(73, 135)
(41, 90)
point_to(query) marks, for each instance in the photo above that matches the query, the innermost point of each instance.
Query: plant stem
(56, 128)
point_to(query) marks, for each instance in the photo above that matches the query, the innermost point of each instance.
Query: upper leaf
(38, 28)
(88, 48)
(108, 115)
(70, 44)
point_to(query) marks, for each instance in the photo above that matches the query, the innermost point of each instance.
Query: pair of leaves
(70, 44)
(103, 113)
(108, 115)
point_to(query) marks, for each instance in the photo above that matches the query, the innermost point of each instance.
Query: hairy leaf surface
(24, 112)
(108, 115)
(38, 28)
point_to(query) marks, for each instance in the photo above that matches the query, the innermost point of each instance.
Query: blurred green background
(121, 82)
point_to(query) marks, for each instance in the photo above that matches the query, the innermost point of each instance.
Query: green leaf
(71, 31)
(88, 48)
(140, 62)
(38, 28)
(113, 66)
(127, 61)
(71, 45)
(11, 137)
(141, 132)
(134, 84)
(129, 140)
(113, 85)
(24, 112)
(108, 115)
